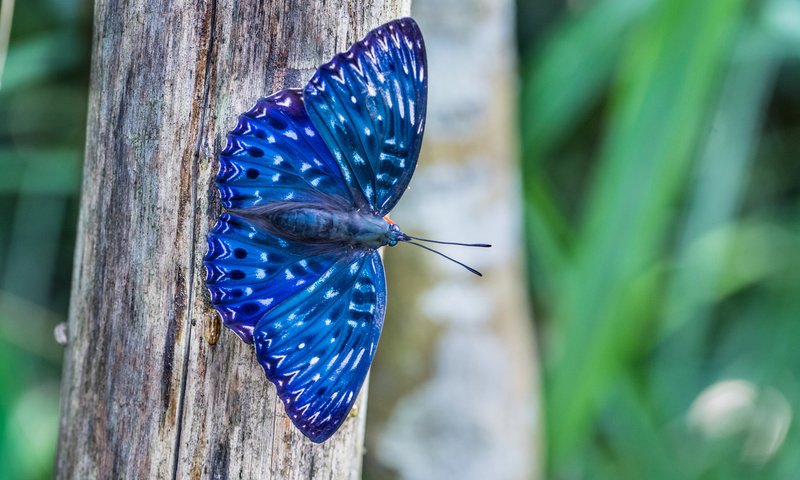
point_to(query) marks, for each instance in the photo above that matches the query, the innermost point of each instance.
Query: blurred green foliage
(42, 125)
(662, 193)
(662, 190)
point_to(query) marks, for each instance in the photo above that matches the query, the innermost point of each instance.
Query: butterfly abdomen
(313, 224)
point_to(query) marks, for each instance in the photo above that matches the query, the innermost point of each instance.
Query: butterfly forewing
(369, 105)
(317, 348)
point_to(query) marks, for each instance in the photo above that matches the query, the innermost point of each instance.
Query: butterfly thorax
(324, 225)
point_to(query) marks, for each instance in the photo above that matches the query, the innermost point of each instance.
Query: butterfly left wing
(275, 154)
(317, 347)
(368, 104)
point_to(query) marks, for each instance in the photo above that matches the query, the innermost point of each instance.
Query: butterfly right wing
(249, 271)
(317, 347)
(315, 316)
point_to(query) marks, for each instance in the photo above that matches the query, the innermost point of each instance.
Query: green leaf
(671, 70)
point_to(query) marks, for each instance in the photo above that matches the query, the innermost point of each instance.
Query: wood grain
(144, 395)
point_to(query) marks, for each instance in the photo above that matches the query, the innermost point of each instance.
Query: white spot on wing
(400, 107)
(358, 359)
(347, 358)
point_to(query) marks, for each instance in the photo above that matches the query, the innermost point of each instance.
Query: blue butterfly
(307, 177)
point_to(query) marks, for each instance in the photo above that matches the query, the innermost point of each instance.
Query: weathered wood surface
(144, 395)
(454, 384)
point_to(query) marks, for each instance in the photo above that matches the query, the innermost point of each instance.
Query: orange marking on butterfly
(388, 219)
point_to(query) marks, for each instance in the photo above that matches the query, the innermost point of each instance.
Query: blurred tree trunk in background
(144, 395)
(454, 385)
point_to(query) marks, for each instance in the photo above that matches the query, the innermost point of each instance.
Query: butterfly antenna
(472, 270)
(483, 245)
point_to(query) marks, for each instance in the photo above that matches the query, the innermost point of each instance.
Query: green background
(660, 142)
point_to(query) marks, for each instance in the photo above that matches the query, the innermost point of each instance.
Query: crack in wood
(212, 23)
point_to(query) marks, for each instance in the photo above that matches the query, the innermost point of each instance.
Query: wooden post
(144, 395)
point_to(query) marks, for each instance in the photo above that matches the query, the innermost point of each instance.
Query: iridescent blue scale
(306, 177)
(275, 153)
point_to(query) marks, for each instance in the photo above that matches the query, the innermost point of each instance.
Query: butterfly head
(394, 235)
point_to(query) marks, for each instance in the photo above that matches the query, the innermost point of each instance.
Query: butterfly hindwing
(317, 347)
(276, 154)
(369, 106)
(250, 271)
